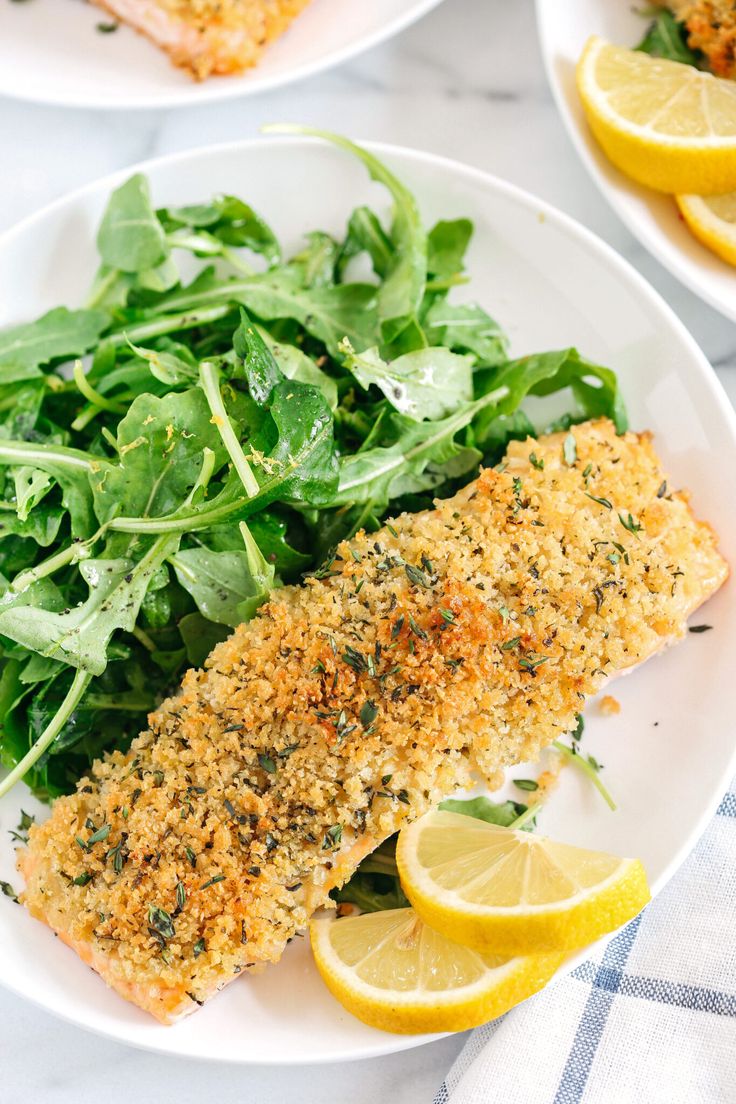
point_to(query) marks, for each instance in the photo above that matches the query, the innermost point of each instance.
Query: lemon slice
(393, 972)
(665, 124)
(712, 220)
(508, 892)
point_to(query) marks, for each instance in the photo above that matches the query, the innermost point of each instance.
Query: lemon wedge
(509, 892)
(664, 124)
(712, 220)
(393, 972)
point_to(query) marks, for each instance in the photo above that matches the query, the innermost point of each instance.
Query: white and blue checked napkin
(649, 1019)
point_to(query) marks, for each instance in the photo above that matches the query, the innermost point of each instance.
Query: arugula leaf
(159, 444)
(130, 237)
(227, 221)
(260, 368)
(366, 235)
(200, 635)
(402, 290)
(296, 365)
(423, 455)
(425, 384)
(328, 313)
(667, 38)
(447, 243)
(482, 808)
(466, 327)
(80, 635)
(228, 587)
(60, 333)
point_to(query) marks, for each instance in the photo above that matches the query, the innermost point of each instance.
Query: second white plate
(51, 52)
(651, 217)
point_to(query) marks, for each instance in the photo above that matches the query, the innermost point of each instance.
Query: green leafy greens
(220, 436)
(666, 38)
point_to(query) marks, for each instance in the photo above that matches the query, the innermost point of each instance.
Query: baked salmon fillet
(444, 647)
(208, 37)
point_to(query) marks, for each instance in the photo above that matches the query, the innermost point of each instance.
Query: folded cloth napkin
(650, 1018)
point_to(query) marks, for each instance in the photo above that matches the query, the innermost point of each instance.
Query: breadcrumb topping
(450, 644)
(208, 37)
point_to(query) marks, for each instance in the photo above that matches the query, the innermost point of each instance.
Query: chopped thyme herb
(391, 530)
(82, 879)
(416, 629)
(662, 489)
(213, 881)
(508, 645)
(101, 834)
(600, 501)
(386, 779)
(199, 947)
(586, 473)
(577, 732)
(398, 626)
(447, 615)
(532, 661)
(191, 857)
(630, 524)
(7, 890)
(161, 922)
(20, 834)
(526, 784)
(342, 728)
(271, 842)
(700, 628)
(416, 576)
(117, 856)
(570, 450)
(403, 796)
(267, 763)
(181, 895)
(368, 713)
(318, 669)
(332, 837)
(535, 462)
(355, 659)
(287, 751)
(614, 557)
(504, 614)
(234, 728)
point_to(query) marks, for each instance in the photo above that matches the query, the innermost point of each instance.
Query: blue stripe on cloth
(443, 1096)
(675, 993)
(727, 806)
(595, 1014)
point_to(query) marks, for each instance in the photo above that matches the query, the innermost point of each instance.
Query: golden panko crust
(208, 37)
(711, 28)
(446, 646)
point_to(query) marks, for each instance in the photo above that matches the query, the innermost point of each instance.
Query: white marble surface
(466, 82)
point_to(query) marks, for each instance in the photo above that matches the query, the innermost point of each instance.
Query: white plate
(650, 216)
(669, 753)
(51, 52)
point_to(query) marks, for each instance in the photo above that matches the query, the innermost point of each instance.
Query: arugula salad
(210, 424)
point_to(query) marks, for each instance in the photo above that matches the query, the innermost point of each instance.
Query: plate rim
(653, 301)
(673, 265)
(217, 89)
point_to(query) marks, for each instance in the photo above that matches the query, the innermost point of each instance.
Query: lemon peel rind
(704, 226)
(662, 162)
(449, 1010)
(546, 929)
